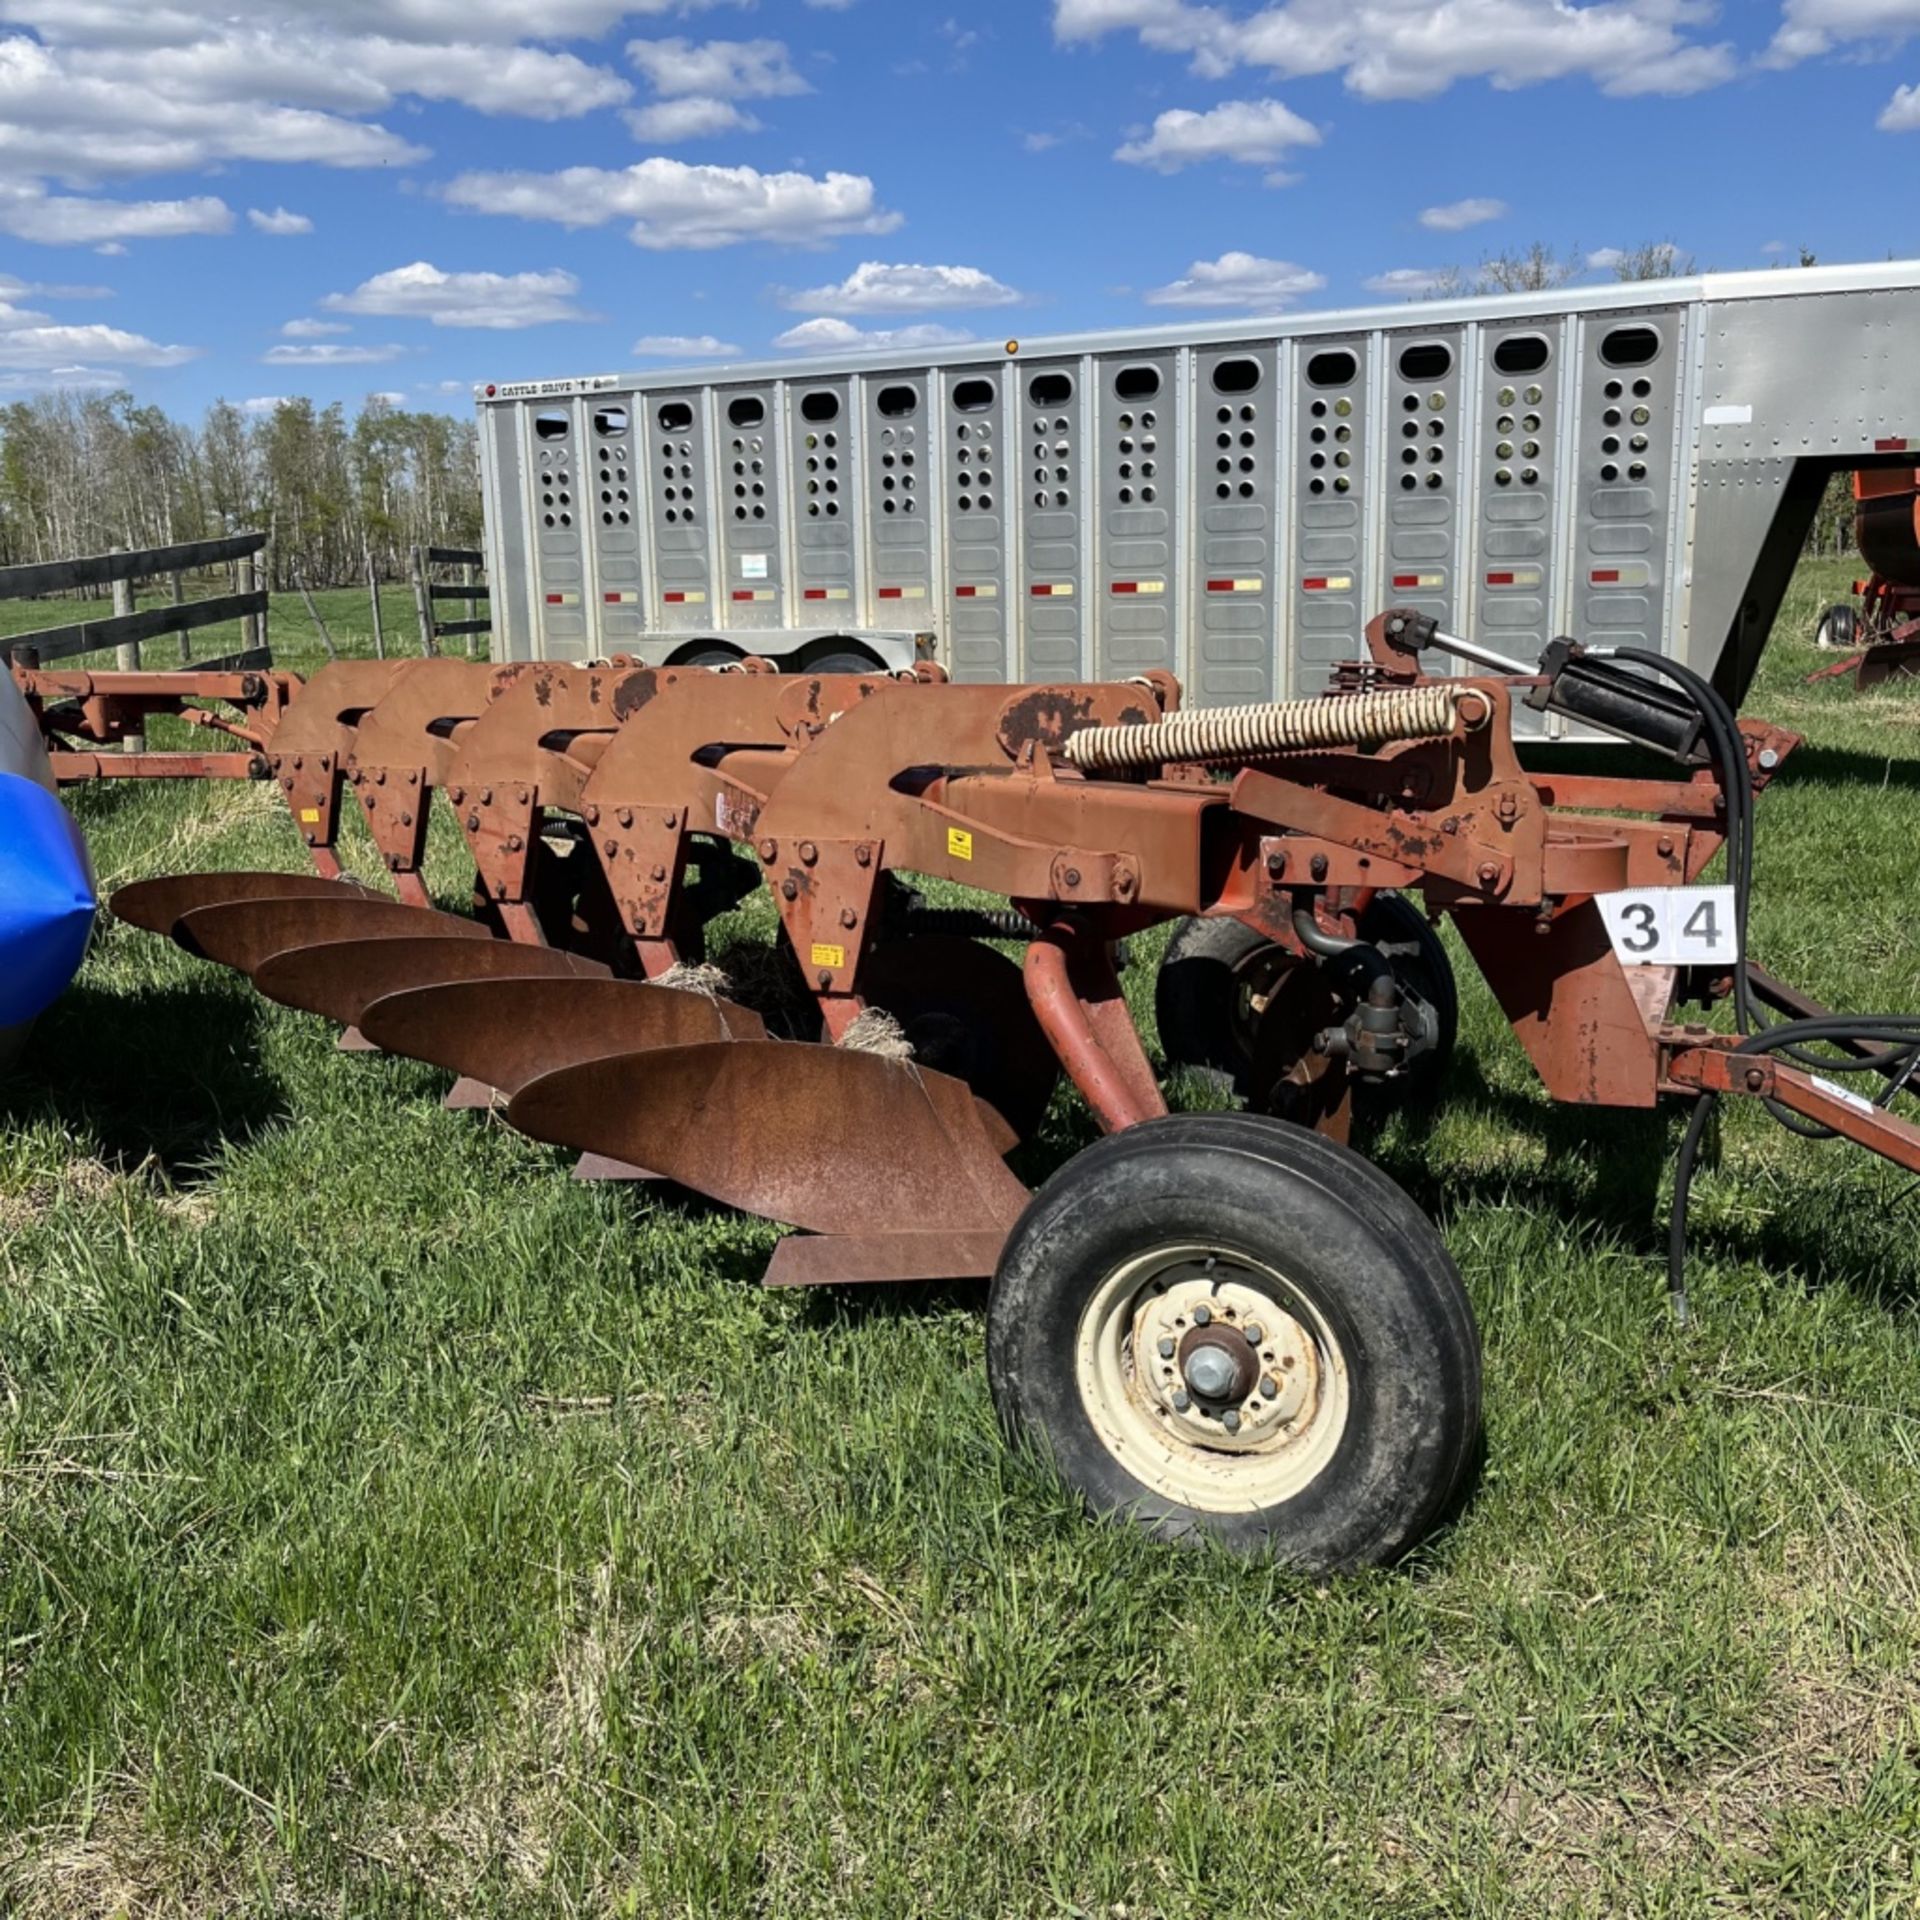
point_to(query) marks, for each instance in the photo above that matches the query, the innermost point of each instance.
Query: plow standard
(1220, 1323)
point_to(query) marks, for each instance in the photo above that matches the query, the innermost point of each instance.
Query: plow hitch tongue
(889, 1157)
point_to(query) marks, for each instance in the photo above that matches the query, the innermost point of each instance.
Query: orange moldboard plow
(1168, 1308)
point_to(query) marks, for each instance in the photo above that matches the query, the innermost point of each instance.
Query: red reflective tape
(1406, 579)
(1891, 446)
(1606, 576)
(556, 599)
(1126, 586)
(965, 593)
(1219, 586)
(1040, 593)
(1317, 584)
(673, 599)
(1499, 579)
(816, 593)
(890, 593)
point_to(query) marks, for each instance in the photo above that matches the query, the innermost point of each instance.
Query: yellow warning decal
(309, 816)
(959, 843)
(825, 956)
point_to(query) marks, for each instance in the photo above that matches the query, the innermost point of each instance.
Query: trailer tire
(1212, 968)
(1837, 629)
(839, 657)
(1366, 1336)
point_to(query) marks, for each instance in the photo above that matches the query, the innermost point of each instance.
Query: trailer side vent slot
(550, 426)
(973, 396)
(824, 405)
(1520, 353)
(747, 411)
(609, 422)
(1236, 376)
(1630, 346)
(1136, 383)
(896, 403)
(675, 417)
(1050, 389)
(1334, 368)
(1426, 360)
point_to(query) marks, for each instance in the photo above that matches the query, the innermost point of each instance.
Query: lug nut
(1166, 1347)
(1180, 1401)
(1202, 1315)
(1269, 1388)
(1318, 866)
(1255, 1333)
(1231, 1420)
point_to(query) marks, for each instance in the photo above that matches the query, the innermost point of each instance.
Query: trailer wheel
(843, 656)
(1218, 974)
(1837, 628)
(1224, 1326)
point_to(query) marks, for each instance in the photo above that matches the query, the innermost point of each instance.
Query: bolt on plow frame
(1222, 1324)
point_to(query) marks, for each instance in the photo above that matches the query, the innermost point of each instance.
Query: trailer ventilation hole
(747, 411)
(1236, 376)
(896, 403)
(973, 396)
(824, 405)
(1520, 354)
(675, 417)
(1050, 389)
(1136, 383)
(1426, 360)
(1630, 347)
(550, 426)
(1334, 368)
(609, 422)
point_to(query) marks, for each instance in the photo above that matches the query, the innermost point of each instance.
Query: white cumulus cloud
(717, 69)
(330, 355)
(1809, 28)
(313, 329)
(667, 122)
(1407, 283)
(828, 335)
(1414, 49)
(1253, 132)
(31, 343)
(1238, 280)
(684, 346)
(74, 220)
(1901, 114)
(874, 286)
(501, 301)
(1458, 215)
(672, 203)
(279, 221)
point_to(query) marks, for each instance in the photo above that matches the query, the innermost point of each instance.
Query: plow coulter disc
(248, 932)
(342, 978)
(835, 1141)
(506, 1032)
(964, 1010)
(157, 905)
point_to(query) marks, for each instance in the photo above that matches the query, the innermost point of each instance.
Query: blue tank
(46, 880)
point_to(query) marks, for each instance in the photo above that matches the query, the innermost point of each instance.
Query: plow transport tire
(1213, 965)
(1222, 1325)
(1837, 629)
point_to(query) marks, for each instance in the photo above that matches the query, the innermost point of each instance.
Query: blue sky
(411, 195)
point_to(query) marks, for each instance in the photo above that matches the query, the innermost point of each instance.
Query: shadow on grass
(169, 1074)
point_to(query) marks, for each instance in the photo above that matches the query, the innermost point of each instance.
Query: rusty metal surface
(818, 1137)
(340, 979)
(158, 904)
(243, 933)
(504, 1032)
(881, 1259)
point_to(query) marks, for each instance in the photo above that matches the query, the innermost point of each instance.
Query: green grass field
(389, 1525)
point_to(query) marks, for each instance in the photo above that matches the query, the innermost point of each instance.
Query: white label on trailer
(1671, 926)
(556, 389)
(753, 566)
(1834, 1090)
(1727, 417)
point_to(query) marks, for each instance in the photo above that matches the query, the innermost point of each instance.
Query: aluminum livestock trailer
(1631, 465)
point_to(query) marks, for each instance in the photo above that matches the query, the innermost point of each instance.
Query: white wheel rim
(1225, 1451)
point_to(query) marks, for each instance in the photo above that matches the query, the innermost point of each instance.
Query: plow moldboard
(836, 1141)
(247, 932)
(158, 904)
(340, 979)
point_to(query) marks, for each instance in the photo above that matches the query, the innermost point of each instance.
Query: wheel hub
(1221, 1363)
